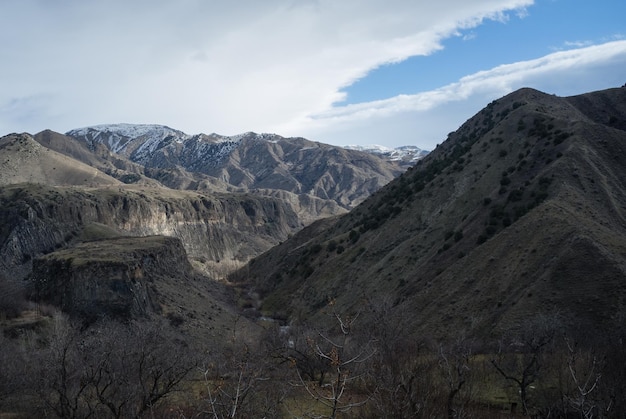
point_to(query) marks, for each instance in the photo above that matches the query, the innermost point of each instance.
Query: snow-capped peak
(407, 153)
(130, 130)
(119, 136)
(372, 148)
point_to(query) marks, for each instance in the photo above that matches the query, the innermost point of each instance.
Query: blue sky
(391, 72)
(547, 26)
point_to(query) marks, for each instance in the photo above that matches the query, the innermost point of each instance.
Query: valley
(262, 276)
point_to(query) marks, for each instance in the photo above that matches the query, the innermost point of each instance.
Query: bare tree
(402, 369)
(585, 372)
(241, 381)
(454, 362)
(521, 359)
(132, 368)
(291, 346)
(59, 377)
(346, 357)
(108, 370)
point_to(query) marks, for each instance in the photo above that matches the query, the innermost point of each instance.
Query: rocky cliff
(219, 232)
(113, 278)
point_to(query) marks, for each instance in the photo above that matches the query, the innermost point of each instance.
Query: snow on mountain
(141, 142)
(119, 137)
(131, 130)
(407, 153)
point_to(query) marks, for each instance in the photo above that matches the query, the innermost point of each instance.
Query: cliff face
(219, 232)
(113, 278)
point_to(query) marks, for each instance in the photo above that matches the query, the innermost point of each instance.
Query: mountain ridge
(248, 161)
(486, 229)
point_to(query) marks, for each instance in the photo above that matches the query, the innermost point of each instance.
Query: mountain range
(512, 214)
(258, 188)
(250, 161)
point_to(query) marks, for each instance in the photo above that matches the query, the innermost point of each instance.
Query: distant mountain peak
(139, 139)
(129, 130)
(408, 154)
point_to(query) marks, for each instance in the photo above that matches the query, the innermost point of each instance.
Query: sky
(343, 72)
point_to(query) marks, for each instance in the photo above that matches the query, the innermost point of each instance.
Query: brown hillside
(522, 210)
(25, 160)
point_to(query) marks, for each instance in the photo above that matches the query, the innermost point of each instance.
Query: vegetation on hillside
(486, 282)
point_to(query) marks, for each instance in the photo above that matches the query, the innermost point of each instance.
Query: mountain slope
(522, 210)
(25, 160)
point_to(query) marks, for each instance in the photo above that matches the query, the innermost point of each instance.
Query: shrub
(316, 248)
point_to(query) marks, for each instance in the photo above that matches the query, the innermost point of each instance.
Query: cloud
(434, 113)
(208, 66)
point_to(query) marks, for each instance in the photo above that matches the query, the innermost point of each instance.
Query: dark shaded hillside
(520, 211)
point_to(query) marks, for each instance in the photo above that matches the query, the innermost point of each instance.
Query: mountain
(248, 161)
(405, 155)
(521, 211)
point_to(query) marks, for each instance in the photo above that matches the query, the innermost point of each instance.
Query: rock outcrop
(112, 278)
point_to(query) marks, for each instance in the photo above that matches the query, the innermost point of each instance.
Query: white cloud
(207, 66)
(430, 115)
(276, 65)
